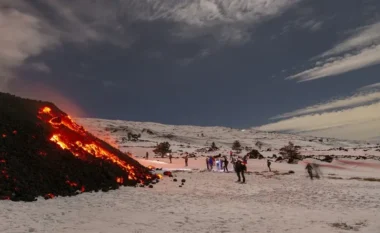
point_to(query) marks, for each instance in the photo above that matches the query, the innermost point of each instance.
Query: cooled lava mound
(43, 152)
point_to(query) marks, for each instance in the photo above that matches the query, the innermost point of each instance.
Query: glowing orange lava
(49, 195)
(120, 180)
(46, 110)
(78, 142)
(57, 140)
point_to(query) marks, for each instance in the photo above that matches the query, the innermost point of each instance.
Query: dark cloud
(204, 62)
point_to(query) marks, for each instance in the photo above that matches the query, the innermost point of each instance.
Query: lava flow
(44, 153)
(73, 137)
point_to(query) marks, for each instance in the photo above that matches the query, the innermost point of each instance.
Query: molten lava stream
(71, 136)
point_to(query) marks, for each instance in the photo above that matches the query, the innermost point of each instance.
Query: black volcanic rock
(33, 165)
(255, 154)
(328, 159)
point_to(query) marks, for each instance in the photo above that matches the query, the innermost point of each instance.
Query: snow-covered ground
(212, 201)
(191, 138)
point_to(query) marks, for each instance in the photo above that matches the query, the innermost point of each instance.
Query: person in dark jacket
(309, 169)
(170, 157)
(240, 168)
(225, 168)
(208, 163)
(186, 160)
(268, 164)
(211, 163)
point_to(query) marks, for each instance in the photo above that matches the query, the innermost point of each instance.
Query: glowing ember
(49, 195)
(120, 180)
(4, 135)
(72, 184)
(82, 189)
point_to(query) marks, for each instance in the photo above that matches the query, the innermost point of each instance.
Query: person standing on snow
(240, 168)
(268, 164)
(186, 160)
(309, 169)
(225, 168)
(211, 162)
(147, 155)
(208, 163)
(170, 157)
(220, 161)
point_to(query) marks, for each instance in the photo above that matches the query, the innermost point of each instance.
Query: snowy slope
(190, 138)
(212, 202)
(273, 202)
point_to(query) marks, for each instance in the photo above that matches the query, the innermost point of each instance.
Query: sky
(296, 66)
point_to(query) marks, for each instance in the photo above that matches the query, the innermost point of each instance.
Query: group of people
(240, 165)
(221, 163)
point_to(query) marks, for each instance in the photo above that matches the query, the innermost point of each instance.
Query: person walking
(268, 164)
(309, 169)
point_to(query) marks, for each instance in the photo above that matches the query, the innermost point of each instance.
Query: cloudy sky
(300, 66)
